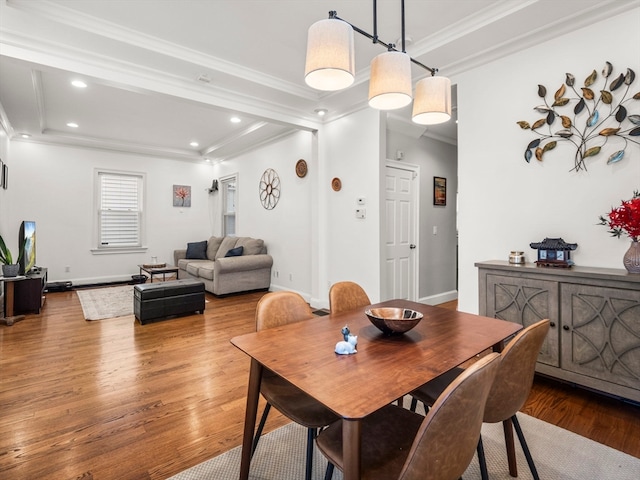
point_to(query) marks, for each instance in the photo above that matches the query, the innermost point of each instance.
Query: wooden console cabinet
(29, 293)
(594, 339)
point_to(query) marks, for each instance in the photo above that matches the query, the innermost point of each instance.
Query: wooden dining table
(384, 369)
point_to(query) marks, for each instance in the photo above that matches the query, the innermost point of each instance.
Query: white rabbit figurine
(348, 347)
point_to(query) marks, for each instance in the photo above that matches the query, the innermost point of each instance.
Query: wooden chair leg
(263, 420)
(511, 451)
(525, 448)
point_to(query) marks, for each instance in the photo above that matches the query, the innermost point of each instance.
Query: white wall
(353, 150)
(286, 229)
(54, 186)
(437, 253)
(505, 203)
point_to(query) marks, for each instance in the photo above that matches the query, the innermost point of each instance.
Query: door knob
(412, 246)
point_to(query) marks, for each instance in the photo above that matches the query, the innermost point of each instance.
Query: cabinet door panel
(601, 333)
(526, 301)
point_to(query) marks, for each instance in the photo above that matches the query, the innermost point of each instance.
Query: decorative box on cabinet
(594, 339)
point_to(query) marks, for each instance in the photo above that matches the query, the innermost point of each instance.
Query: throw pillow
(252, 246)
(197, 250)
(227, 244)
(235, 252)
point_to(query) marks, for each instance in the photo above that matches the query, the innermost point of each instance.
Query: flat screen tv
(28, 234)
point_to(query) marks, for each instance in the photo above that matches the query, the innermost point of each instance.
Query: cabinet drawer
(526, 301)
(601, 333)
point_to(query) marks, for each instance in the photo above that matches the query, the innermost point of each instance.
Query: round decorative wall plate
(336, 184)
(269, 189)
(301, 168)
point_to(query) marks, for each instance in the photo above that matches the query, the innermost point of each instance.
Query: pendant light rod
(389, 46)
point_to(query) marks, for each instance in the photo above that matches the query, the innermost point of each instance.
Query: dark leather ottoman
(162, 300)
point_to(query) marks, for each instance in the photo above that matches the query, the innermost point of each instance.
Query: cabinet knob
(566, 327)
(552, 324)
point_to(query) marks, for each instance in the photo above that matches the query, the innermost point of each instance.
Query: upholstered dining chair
(273, 310)
(509, 392)
(399, 444)
(345, 296)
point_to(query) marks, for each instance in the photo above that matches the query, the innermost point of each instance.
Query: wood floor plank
(113, 399)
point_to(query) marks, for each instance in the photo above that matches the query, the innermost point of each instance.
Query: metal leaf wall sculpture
(587, 116)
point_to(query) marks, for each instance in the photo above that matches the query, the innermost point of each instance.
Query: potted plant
(10, 269)
(626, 218)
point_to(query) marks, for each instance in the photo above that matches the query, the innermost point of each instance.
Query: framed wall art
(439, 191)
(181, 195)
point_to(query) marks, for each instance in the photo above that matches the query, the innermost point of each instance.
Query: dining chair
(509, 392)
(277, 309)
(345, 296)
(399, 444)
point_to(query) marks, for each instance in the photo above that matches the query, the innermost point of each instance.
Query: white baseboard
(440, 298)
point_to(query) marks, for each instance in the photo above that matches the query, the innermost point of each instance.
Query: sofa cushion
(252, 246)
(235, 252)
(213, 246)
(201, 268)
(227, 244)
(197, 250)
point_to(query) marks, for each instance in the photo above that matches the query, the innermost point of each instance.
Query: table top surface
(165, 269)
(385, 367)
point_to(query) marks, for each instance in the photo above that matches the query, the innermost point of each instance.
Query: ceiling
(163, 74)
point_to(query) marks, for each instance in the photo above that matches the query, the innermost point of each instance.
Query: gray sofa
(226, 264)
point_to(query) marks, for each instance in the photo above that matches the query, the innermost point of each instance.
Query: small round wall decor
(336, 184)
(269, 189)
(301, 168)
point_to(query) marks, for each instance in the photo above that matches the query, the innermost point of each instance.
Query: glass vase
(631, 259)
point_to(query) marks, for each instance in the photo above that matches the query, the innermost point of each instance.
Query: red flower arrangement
(625, 218)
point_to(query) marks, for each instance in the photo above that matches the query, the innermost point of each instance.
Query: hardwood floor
(113, 399)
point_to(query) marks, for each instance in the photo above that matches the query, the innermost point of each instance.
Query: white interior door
(401, 195)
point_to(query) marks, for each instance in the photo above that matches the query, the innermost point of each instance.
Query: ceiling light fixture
(194, 144)
(235, 120)
(321, 112)
(79, 84)
(72, 125)
(330, 66)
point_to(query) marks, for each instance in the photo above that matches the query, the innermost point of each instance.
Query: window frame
(140, 246)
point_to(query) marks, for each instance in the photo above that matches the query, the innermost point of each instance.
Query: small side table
(9, 300)
(151, 271)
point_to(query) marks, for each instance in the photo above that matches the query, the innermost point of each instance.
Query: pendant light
(390, 83)
(330, 66)
(330, 61)
(432, 103)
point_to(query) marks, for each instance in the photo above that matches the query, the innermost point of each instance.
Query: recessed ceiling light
(235, 120)
(72, 125)
(79, 84)
(25, 135)
(321, 112)
(194, 144)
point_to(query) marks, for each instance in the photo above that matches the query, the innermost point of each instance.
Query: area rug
(111, 302)
(558, 455)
